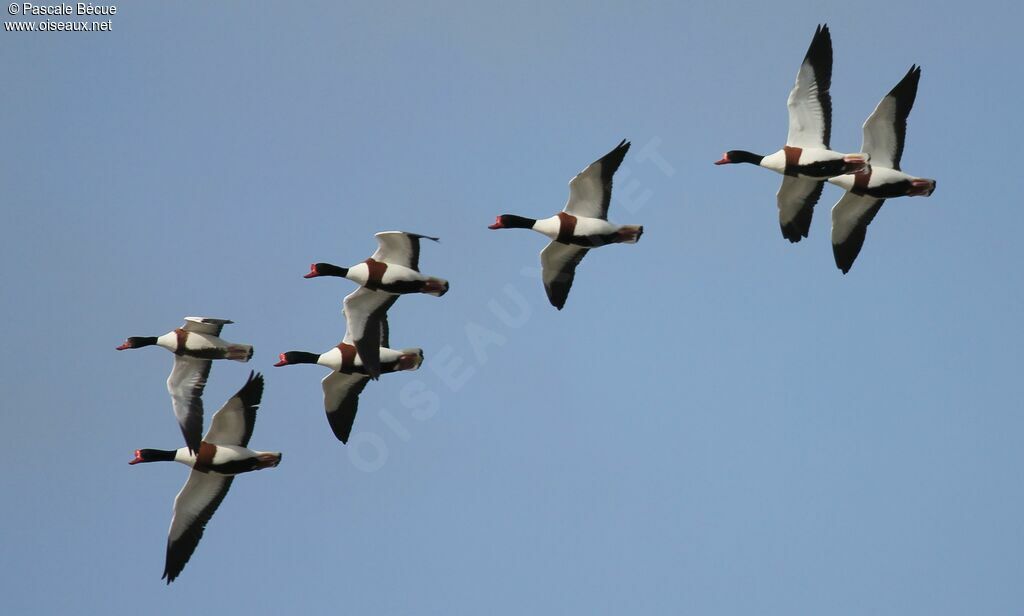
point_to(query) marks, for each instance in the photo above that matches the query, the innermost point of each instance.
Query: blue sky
(719, 422)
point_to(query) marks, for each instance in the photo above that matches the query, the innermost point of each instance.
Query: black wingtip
(821, 46)
(913, 74)
(905, 93)
(252, 392)
(610, 162)
(842, 258)
(421, 236)
(793, 232)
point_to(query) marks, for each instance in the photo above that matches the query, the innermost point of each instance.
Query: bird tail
(435, 286)
(240, 352)
(411, 359)
(921, 187)
(267, 459)
(630, 234)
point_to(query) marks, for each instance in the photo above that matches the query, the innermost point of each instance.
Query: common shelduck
(394, 268)
(195, 344)
(222, 454)
(884, 134)
(581, 225)
(349, 375)
(806, 159)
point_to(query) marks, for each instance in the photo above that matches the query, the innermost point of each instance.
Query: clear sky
(719, 422)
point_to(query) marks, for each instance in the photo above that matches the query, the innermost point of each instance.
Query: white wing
(590, 192)
(796, 199)
(810, 104)
(193, 508)
(365, 311)
(186, 384)
(384, 333)
(400, 248)
(341, 401)
(850, 219)
(205, 325)
(558, 262)
(234, 422)
(886, 128)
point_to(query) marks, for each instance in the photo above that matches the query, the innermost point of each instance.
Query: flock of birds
(807, 162)
(363, 354)
(868, 177)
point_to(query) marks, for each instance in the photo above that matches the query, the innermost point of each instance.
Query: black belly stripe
(236, 466)
(823, 169)
(592, 241)
(211, 353)
(401, 287)
(900, 188)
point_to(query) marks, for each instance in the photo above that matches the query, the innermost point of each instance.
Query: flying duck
(806, 159)
(581, 225)
(884, 134)
(195, 344)
(394, 268)
(349, 375)
(222, 454)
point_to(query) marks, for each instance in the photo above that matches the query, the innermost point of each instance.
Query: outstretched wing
(796, 198)
(193, 508)
(341, 400)
(186, 384)
(590, 192)
(558, 262)
(234, 422)
(400, 248)
(886, 128)
(850, 219)
(365, 311)
(810, 104)
(205, 325)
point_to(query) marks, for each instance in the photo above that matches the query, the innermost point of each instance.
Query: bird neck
(157, 455)
(743, 156)
(327, 269)
(301, 357)
(511, 221)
